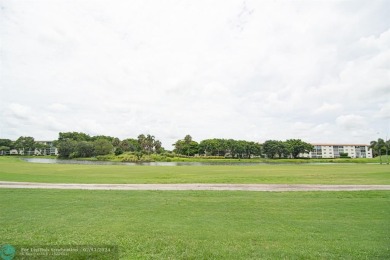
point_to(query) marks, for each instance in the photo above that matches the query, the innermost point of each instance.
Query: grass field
(14, 169)
(200, 224)
(203, 224)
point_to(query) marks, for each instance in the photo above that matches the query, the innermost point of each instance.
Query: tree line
(284, 149)
(217, 147)
(82, 145)
(242, 149)
(77, 145)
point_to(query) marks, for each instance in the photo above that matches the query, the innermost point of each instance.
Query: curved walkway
(193, 186)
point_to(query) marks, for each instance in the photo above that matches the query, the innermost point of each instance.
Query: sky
(250, 70)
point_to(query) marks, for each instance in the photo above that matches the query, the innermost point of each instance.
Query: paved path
(193, 186)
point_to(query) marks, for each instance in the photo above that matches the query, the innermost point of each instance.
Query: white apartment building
(48, 150)
(334, 151)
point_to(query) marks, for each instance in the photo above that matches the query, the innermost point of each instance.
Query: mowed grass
(203, 224)
(14, 169)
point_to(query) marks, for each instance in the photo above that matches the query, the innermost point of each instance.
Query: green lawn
(203, 224)
(14, 169)
(200, 224)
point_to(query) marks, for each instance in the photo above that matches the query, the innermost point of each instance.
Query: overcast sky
(252, 70)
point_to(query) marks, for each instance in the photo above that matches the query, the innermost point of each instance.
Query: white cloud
(327, 108)
(236, 69)
(58, 107)
(351, 122)
(384, 112)
(18, 111)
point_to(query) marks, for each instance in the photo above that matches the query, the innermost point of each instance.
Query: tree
(282, 149)
(208, 147)
(115, 142)
(387, 146)
(187, 139)
(222, 147)
(76, 136)
(106, 137)
(130, 145)
(241, 149)
(66, 147)
(377, 147)
(158, 146)
(186, 146)
(25, 143)
(142, 142)
(6, 142)
(118, 151)
(5, 146)
(254, 149)
(297, 146)
(178, 147)
(124, 145)
(84, 149)
(187, 142)
(149, 143)
(102, 147)
(229, 147)
(271, 148)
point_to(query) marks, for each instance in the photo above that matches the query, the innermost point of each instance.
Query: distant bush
(118, 151)
(107, 157)
(169, 155)
(128, 157)
(212, 157)
(344, 155)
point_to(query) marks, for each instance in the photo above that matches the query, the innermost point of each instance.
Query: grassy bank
(131, 157)
(14, 169)
(204, 224)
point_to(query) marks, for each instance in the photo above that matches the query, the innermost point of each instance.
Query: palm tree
(142, 142)
(373, 146)
(157, 146)
(187, 141)
(149, 143)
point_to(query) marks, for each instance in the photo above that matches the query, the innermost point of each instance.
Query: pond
(237, 163)
(59, 161)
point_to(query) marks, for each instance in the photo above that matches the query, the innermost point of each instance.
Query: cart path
(193, 186)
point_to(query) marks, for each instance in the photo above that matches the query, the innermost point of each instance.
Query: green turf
(14, 169)
(203, 224)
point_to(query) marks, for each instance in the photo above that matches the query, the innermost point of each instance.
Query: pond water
(238, 163)
(59, 161)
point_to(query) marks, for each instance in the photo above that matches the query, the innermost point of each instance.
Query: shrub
(344, 155)
(118, 151)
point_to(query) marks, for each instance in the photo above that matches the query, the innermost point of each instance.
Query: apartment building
(336, 150)
(48, 149)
